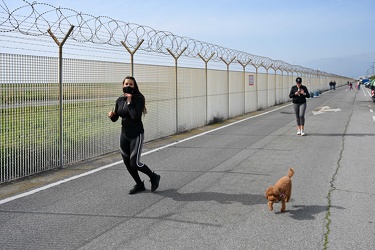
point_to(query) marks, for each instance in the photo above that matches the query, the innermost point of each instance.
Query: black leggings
(300, 109)
(131, 149)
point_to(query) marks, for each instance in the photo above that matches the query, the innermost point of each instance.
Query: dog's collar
(281, 195)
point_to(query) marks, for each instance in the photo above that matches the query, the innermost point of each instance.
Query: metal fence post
(267, 86)
(227, 63)
(175, 59)
(244, 77)
(206, 72)
(275, 69)
(132, 54)
(256, 84)
(60, 44)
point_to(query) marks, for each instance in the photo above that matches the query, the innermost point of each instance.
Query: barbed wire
(35, 19)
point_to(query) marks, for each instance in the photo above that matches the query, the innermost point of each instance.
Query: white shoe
(298, 132)
(302, 133)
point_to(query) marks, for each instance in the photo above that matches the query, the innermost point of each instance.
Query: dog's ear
(268, 191)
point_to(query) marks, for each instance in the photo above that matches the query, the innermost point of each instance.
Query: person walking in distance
(130, 108)
(299, 93)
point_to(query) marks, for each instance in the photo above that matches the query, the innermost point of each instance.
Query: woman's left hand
(128, 97)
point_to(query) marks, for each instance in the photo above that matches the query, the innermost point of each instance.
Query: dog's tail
(291, 172)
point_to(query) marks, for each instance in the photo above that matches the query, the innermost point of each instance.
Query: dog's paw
(270, 205)
(283, 207)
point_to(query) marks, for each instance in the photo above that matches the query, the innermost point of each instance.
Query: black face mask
(128, 90)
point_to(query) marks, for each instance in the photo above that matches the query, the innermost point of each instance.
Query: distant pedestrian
(299, 93)
(357, 85)
(350, 86)
(330, 85)
(130, 108)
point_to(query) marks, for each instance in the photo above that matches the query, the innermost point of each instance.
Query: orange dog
(281, 191)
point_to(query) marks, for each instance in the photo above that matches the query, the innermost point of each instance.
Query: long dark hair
(137, 94)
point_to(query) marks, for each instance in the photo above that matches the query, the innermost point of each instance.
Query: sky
(335, 36)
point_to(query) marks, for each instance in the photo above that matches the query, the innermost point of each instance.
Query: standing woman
(299, 93)
(130, 108)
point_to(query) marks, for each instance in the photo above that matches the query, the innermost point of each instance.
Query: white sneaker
(302, 133)
(298, 132)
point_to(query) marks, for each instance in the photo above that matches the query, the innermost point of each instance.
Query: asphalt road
(211, 194)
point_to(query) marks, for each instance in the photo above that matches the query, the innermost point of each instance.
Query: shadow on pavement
(306, 212)
(245, 199)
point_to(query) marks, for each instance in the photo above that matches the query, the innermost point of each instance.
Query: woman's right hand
(110, 114)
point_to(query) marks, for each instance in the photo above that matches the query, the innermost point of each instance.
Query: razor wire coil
(35, 19)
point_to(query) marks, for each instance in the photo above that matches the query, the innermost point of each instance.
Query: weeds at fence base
(215, 119)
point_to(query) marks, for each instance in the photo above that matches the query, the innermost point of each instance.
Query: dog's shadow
(245, 199)
(304, 212)
(297, 212)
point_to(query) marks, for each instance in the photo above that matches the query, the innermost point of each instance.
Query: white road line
(56, 183)
(373, 118)
(365, 90)
(371, 111)
(12, 198)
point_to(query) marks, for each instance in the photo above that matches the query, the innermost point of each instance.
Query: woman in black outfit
(130, 108)
(299, 93)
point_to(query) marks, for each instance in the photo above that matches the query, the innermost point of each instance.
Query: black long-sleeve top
(131, 115)
(299, 98)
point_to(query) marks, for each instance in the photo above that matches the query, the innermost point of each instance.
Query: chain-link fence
(54, 103)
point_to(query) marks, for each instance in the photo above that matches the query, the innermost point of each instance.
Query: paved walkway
(211, 194)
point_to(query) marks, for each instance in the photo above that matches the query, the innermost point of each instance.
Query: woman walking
(130, 108)
(299, 93)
